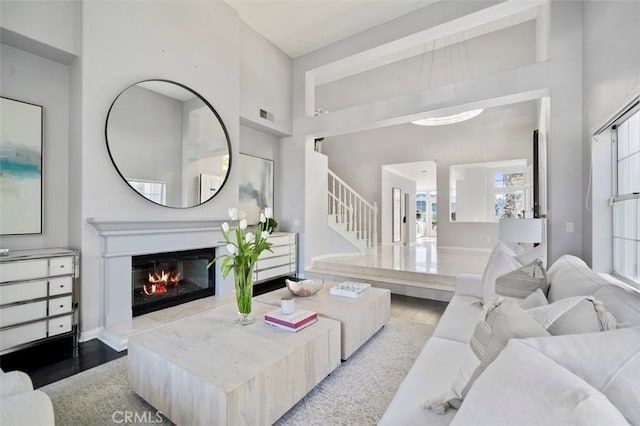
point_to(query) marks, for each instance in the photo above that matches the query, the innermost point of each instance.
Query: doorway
(426, 215)
(417, 181)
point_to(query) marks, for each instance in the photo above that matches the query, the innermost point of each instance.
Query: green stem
(243, 272)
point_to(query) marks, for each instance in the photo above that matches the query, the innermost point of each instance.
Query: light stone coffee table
(204, 369)
(360, 317)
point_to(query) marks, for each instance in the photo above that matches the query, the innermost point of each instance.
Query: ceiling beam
(521, 84)
(494, 18)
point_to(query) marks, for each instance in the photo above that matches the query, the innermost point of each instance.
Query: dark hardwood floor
(52, 361)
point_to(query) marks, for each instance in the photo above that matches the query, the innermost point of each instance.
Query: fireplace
(162, 280)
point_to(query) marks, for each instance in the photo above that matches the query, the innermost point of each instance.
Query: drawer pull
(61, 325)
(62, 306)
(61, 285)
(61, 266)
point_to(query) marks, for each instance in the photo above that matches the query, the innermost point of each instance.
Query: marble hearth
(124, 238)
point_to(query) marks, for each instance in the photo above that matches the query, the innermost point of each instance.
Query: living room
(73, 58)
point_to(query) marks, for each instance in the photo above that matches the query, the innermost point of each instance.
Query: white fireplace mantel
(123, 238)
(132, 237)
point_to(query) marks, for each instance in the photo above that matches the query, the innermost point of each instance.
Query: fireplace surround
(122, 239)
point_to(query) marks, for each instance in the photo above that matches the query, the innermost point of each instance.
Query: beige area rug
(356, 393)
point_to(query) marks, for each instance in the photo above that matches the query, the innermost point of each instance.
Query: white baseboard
(90, 334)
(117, 343)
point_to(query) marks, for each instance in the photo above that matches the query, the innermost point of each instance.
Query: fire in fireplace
(168, 279)
(157, 282)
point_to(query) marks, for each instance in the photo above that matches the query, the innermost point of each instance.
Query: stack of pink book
(295, 321)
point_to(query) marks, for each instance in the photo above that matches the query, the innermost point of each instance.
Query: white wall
(565, 187)
(500, 134)
(317, 209)
(611, 77)
(193, 43)
(259, 144)
(390, 180)
(47, 28)
(265, 82)
(22, 77)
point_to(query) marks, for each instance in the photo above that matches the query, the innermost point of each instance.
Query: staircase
(351, 216)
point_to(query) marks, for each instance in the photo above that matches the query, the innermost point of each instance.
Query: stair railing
(350, 208)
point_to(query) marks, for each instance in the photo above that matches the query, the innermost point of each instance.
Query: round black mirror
(168, 143)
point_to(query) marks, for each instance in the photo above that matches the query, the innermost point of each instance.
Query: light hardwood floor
(415, 309)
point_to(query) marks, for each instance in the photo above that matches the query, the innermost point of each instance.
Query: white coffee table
(204, 369)
(360, 318)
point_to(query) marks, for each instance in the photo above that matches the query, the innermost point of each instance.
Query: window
(509, 194)
(421, 205)
(154, 191)
(626, 200)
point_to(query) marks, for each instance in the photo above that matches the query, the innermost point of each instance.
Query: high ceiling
(301, 26)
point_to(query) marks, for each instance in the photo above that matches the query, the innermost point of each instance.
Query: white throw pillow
(570, 276)
(525, 387)
(574, 315)
(608, 361)
(501, 261)
(533, 300)
(623, 303)
(523, 281)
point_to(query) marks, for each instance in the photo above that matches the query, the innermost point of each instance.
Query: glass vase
(244, 292)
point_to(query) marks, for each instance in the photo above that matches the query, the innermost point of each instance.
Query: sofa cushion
(570, 276)
(574, 315)
(542, 393)
(523, 281)
(501, 261)
(459, 319)
(499, 321)
(608, 361)
(431, 376)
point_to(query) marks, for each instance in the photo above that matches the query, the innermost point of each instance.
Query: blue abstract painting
(20, 167)
(256, 186)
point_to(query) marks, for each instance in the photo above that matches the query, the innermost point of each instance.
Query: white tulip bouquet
(243, 248)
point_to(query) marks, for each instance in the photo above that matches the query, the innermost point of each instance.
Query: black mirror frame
(224, 128)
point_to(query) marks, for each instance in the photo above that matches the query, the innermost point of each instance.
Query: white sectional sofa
(20, 405)
(524, 378)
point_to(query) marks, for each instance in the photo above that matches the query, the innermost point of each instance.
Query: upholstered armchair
(20, 405)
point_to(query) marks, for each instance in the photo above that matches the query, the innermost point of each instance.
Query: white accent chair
(20, 405)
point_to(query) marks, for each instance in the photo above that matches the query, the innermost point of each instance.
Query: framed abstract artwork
(20, 167)
(256, 186)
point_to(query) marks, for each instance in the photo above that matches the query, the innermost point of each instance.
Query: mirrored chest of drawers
(38, 297)
(280, 261)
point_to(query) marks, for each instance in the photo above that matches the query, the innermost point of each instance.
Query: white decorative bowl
(304, 288)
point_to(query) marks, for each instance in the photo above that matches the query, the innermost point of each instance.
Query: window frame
(616, 197)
